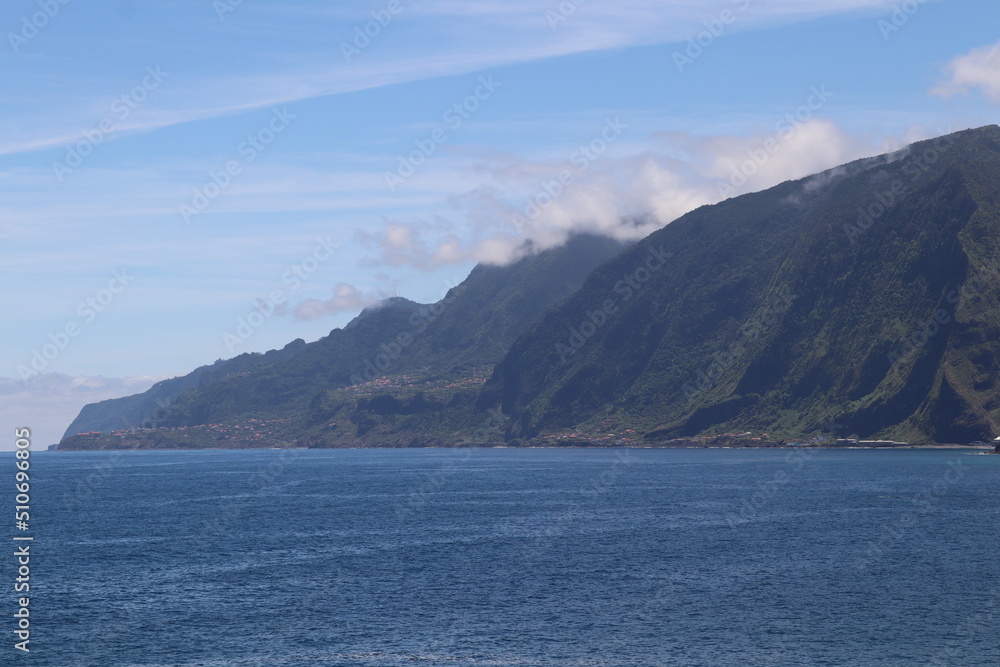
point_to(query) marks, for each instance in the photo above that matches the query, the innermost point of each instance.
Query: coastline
(908, 447)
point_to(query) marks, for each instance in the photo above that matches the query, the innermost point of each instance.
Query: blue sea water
(513, 557)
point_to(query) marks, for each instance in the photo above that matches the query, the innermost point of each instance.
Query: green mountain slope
(861, 301)
(369, 373)
(866, 296)
(141, 409)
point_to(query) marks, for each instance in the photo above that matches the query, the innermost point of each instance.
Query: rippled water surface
(515, 557)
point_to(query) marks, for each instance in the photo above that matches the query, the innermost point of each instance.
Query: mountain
(864, 301)
(140, 409)
(390, 373)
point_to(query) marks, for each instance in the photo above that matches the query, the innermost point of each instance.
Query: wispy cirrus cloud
(426, 40)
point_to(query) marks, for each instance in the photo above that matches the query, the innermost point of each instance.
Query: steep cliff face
(864, 298)
(861, 301)
(142, 409)
(447, 347)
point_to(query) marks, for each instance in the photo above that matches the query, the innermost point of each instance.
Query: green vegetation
(137, 411)
(860, 302)
(788, 309)
(431, 359)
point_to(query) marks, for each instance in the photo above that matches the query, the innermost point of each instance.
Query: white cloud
(346, 298)
(49, 402)
(521, 207)
(979, 69)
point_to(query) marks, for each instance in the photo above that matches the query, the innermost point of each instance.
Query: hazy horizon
(203, 166)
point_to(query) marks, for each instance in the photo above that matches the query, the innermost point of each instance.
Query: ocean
(512, 557)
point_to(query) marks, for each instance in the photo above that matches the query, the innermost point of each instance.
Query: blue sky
(170, 168)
